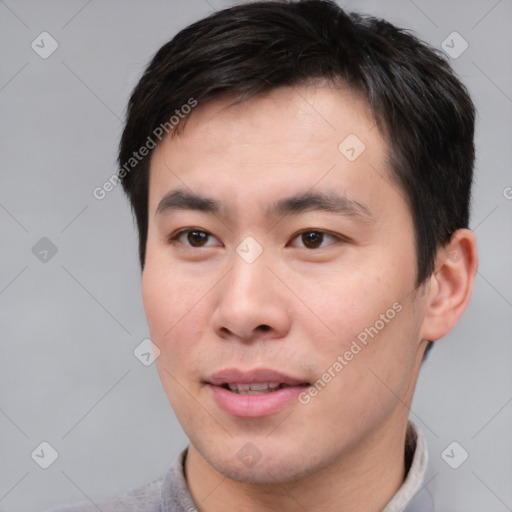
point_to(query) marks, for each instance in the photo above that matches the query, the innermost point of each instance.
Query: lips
(253, 389)
(256, 376)
(254, 393)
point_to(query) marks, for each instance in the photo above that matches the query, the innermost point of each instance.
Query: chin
(270, 465)
(264, 473)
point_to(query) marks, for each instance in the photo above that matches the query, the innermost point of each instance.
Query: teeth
(254, 389)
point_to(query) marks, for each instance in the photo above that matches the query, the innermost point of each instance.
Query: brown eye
(315, 239)
(312, 239)
(193, 238)
(197, 238)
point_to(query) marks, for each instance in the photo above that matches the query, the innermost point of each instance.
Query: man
(300, 178)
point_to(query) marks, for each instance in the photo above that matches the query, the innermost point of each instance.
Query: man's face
(286, 293)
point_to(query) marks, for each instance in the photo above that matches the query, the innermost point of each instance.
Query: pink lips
(258, 405)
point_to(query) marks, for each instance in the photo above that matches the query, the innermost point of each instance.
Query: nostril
(264, 327)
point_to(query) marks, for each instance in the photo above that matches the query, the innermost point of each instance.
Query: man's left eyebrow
(328, 201)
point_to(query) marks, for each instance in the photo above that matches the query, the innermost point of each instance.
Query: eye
(193, 238)
(313, 238)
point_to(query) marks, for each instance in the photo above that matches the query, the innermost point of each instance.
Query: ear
(451, 285)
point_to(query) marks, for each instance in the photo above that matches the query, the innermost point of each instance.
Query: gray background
(69, 324)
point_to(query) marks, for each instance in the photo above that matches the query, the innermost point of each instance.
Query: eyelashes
(311, 238)
(198, 235)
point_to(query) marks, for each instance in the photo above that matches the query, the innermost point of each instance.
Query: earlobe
(451, 284)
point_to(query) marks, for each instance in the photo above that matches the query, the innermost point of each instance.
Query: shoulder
(147, 498)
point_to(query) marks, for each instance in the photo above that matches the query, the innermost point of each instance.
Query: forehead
(292, 138)
(302, 115)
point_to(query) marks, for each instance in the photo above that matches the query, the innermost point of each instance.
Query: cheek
(169, 296)
(170, 304)
(157, 302)
(375, 330)
(378, 356)
(173, 310)
(350, 301)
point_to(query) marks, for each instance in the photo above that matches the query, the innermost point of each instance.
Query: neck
(365, 479)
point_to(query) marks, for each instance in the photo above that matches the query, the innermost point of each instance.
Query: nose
(251, 303)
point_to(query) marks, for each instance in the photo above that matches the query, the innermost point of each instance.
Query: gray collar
(409, 498)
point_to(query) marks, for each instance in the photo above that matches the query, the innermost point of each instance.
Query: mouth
(254, 393)
(256, 388)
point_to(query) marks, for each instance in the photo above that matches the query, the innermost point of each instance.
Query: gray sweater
(171, 494)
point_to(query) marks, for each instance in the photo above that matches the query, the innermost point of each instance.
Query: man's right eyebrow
(183, 200)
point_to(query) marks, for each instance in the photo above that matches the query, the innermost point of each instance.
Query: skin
(206, 306)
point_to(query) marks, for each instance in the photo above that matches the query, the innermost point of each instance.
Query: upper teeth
(255, 388)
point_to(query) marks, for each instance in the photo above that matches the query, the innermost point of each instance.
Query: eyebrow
(328, 201)
(183, 200)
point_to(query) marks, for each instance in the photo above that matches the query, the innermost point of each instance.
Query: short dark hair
(421, 108)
